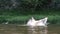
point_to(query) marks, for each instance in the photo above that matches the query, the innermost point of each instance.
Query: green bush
(23, 19)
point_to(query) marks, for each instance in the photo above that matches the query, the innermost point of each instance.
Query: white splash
(5, 23)
(41, 22)
(31, 22)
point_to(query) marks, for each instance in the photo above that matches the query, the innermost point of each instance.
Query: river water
(19, 29)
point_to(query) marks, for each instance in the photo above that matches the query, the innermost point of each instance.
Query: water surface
(17, 29)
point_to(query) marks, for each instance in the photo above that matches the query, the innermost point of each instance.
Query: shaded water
(15, 29)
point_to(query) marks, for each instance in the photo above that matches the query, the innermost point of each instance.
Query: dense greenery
(17, 17)
(24, 4)
(23, 19)
(20, 11)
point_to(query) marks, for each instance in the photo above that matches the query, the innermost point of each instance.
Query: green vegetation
(20, 11)
(14, 17)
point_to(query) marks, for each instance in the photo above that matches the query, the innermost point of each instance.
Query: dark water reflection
(15, 29)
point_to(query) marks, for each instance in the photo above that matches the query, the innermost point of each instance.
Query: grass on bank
(23, 19)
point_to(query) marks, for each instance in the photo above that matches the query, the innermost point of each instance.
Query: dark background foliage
(25, 9)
